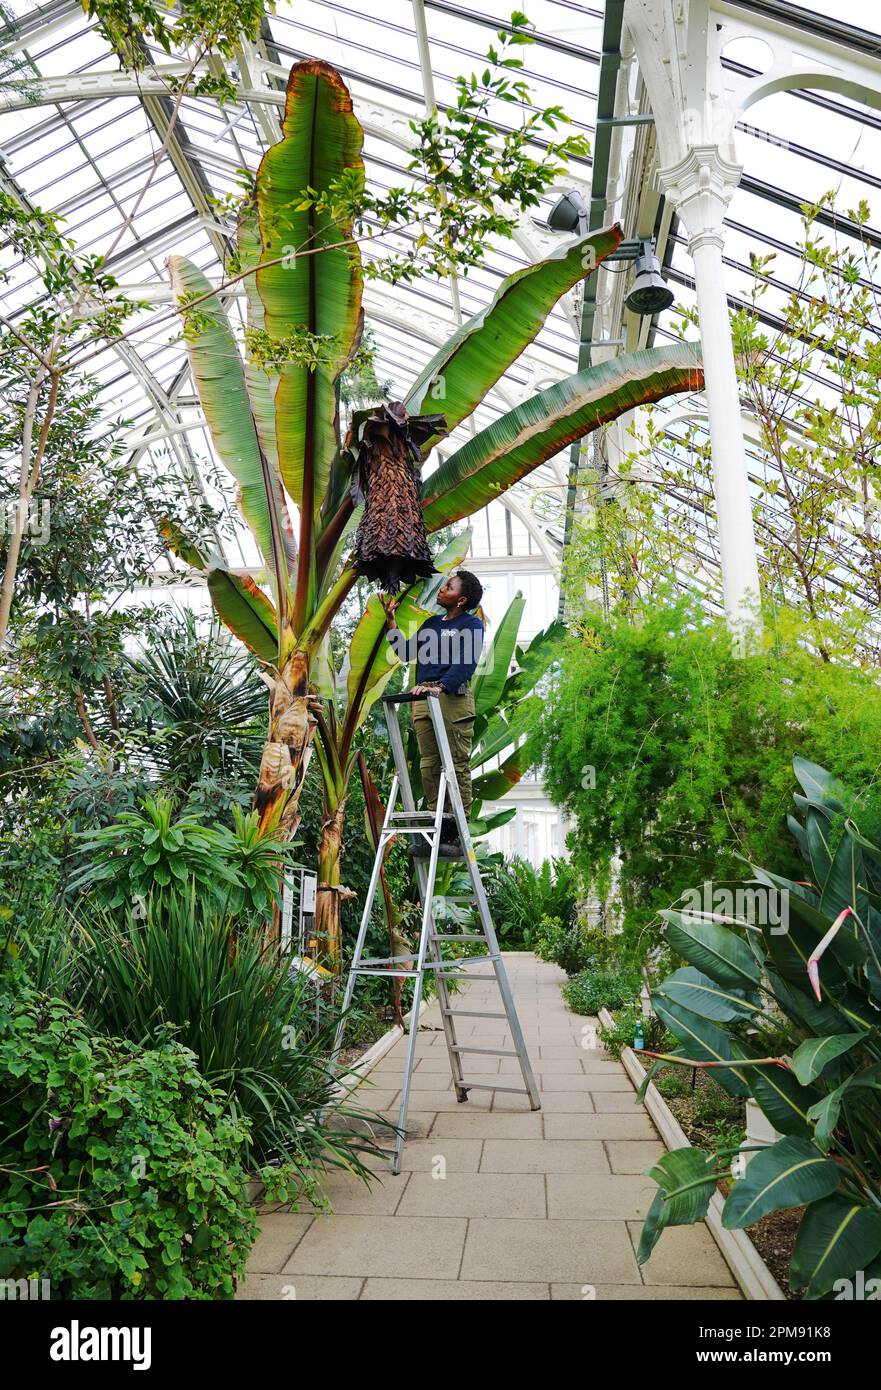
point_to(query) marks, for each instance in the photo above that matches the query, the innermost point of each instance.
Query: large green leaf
(316, 287)
(500, 733)
(705, 997)
(820, 787)
(194, 553)
(817, 836)
(495, 659)
(220, 378)
(790, 1173)
(523, 438)
(246, 611)
(261, 383)
(806, 926)
(796, 1000)
(824, 1115)
(781, 1097)
(450, 557)
(533, 661)
(459, 375)
(836, 1238)
(713, 949)
(492, 786)
(842, 886)
(372, 659)
(814, 1054)
(686, 1181)
(703, 1042)
(485, 824)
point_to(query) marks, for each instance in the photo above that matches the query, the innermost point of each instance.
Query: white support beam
(799, 60)
(678, 50)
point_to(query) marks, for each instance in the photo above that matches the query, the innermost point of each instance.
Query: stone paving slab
(617, 1292)
(633, 1155)
(543, 1156)
(580, 1251)
(391, 1246)
(495, 1201)
(286, 1287)
(443, 1290)
(515, 1195)
(608, 1196)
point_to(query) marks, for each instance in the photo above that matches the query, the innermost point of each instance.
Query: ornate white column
(700, 186)
(678, 44)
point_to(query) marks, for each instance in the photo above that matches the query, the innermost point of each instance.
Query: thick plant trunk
(285, 758)
(328, 930)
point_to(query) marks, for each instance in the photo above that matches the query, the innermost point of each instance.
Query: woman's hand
(389, 603)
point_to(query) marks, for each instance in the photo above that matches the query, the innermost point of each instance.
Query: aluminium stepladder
(429, 956)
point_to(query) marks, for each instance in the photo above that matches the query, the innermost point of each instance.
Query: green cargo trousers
(458, 716)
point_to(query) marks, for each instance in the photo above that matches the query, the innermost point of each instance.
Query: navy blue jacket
(446, 651)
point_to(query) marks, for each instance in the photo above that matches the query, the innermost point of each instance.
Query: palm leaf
(313, 288)
(790, 1173)
(836, 1238)
(247, 612)
(220, 378)
(495, 659)
(525, 437)
(492, 786)
(459, 375)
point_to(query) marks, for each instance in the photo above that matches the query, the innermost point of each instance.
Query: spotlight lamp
(650, 293)
(569, 213)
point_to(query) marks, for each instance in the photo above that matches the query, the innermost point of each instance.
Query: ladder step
(438, 937)
(485, 1086)
(427, 817)
(429, 964)
(486, 1051)
(470, 1013)
(384, 960)
(447, 975)
(465, 960)
(442, 967)
(384, 974)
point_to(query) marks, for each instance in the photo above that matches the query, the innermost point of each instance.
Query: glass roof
(86, 156)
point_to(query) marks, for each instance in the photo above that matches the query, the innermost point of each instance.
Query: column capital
(700, 187)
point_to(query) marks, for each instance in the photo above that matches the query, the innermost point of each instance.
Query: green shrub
(623, 1029)
(787, 1009)
(120, 1168)
(566, 945)
(253, 1030)
(671, 754)
(155, 852)
(597, 989)
(671, 1084)
(521, 895)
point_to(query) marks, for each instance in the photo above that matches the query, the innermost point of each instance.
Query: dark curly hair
(471, 588)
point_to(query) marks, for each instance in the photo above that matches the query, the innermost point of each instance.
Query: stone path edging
(743, 1259)
(374, 1055)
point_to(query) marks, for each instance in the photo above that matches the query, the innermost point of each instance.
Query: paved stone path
(496, 1201)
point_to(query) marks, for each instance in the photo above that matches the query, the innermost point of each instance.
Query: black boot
(450, 845)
